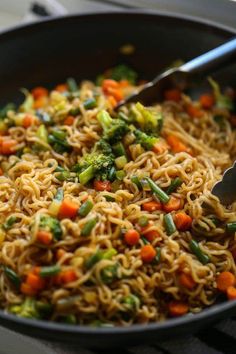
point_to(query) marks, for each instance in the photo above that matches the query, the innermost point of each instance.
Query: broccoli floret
(149, 120)
(51, 224)
(27, 309)
(113, 129)
(123, 72)
(146, 141)
(103, 146)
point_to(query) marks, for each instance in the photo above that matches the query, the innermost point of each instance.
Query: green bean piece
(108, 254)
(9, 222)
(44, 308)
(12, 276)
(169, 224)
(74, 111)
(59, 134)
(70, 319)
(135, 180)
(86, 175)
(158, 255)
(92, 260)
(90, 103)
(88, 227)
(231, 226)
(49, 271)
(145, 241)
(164, 198)
(72, 85)
(85, 208)
(59, 195)
(45, 118)
(194, 247)
(143, 221)
(59, 169)
(174, 185)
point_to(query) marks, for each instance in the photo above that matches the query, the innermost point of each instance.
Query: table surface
(219, 339)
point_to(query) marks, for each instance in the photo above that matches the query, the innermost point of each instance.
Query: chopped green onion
(109, 198)
(164, 198)
(42, 133)
(74, 111)
(120, 175)
(59, 169)
(145, 185)
(72, 85)
(90, 103)
(59, 134)
(120, 162)
(12, 276)
(136, 181)
(9, 222)
(174, 185)
(63, 176)
(123, 117)
(231, 226)
(132, 302)
(59, 195)
(119, 149)
(49, 271)
(143, 221)
(85, 208)
(169, 224)
(92, 260)
(109, 273)
(88, 227)
(145, 241)
(70, 319)
(194, 247)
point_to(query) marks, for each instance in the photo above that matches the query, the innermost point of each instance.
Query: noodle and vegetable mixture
(107, 218)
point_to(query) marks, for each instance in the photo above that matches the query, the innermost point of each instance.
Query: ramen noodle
(107, 217)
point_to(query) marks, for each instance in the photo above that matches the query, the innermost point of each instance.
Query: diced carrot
(173, 204)
(207, 101)
(160, 147)
(61, 88)
(68, 209)
(35, 281)
(132, 237)
(172, 95)
(151, 235)
(112, 101)
(187, 281)
(69, 120)
(225, 280)
(124, 83)
(231, 293)
(152, 206)
(26, 289)
(148, 253)
(102, 186)
(40, 102)
(109, 83)
(116, 93)
(182, 221)
(28, 120)
(38, 92)
(36, 270)
(60, 253)
(44, 237)
(67, 276)
(176, 145)
(194, 111)
(1, 172)
(177, 308)
(8, 146)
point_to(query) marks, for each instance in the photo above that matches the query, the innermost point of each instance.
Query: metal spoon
(180, 77)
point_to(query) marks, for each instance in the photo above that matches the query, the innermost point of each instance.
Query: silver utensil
(182, 75)
(225, 189)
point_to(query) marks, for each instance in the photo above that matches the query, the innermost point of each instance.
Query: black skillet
(82, 46)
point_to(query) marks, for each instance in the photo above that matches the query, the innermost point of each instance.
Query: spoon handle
(208, 60)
